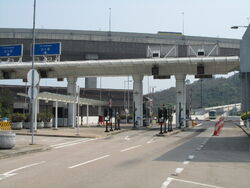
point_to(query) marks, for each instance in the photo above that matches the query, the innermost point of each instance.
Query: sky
(211, 18)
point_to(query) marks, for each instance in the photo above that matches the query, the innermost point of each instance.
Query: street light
(109, 21)
(32, 76)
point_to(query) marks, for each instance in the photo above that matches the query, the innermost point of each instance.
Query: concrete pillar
(138, 99)
(180, 98)
(245, 91)
(71, 90)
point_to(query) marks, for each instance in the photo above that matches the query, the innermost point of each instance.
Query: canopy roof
(123, 67)
(67, 99)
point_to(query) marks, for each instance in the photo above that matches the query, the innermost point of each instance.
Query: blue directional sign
(11, 50)
(47, 49)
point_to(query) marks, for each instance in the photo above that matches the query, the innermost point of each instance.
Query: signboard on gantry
(47, 49)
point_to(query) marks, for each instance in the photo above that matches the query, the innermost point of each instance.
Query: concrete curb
(117, 132)
(170, 133)
(75, 136)
(243, 129)
(56, 135)
(18, 153)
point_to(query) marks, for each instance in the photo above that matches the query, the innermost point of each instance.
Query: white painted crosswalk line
(66, 144)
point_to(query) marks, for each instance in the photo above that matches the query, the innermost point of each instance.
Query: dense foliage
(215, 91)
(17, 117)
(6, 101)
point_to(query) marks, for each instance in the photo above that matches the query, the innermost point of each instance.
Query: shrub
(40, 117)
(27, 118)
(48, 116)
(243, 115)
(17, 117)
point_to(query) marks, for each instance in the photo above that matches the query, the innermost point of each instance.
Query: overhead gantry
(137, 68)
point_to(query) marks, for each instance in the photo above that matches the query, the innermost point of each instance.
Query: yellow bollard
(5, 125)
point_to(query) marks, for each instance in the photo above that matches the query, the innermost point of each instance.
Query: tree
(6, 102)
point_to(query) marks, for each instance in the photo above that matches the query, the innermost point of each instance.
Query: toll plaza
(161, 56)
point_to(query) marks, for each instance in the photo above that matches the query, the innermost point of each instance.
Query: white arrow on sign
(35, 92)
(36, 77)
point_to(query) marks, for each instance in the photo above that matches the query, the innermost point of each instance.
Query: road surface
(137, 158)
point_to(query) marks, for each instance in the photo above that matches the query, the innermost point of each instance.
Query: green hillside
(213, 92)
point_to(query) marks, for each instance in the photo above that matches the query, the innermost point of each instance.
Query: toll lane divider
(218, 126)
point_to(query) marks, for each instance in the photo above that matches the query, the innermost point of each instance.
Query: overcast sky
(211, 18)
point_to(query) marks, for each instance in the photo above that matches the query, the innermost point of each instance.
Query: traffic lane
(136, 168)
(52, 141)
(102, 146)
(222, 162)
(91, 172)
(112, 143)
(86, 149)
(124, 163)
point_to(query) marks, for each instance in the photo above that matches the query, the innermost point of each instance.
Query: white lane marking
(167, 182)
(127, 138)
(12, 172)
(198, 149)
(133, 147)
(178, 171)
(66, 145)
(151, 141)
(186, 162)
(87, 162)
(190, 157)
(198, 125)
(196, 183)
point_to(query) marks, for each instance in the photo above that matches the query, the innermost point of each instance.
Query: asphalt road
(138, 158)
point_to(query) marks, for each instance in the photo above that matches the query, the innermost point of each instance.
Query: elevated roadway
(79, 45)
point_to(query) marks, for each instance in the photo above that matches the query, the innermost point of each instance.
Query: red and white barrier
(218, 126)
